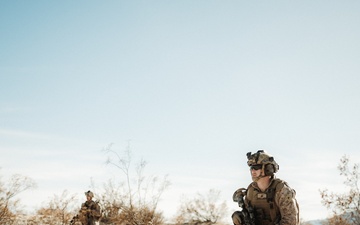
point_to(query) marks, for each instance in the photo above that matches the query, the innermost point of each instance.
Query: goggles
(256, 167)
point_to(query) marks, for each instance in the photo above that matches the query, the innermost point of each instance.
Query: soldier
(90, 210)
(271, 200)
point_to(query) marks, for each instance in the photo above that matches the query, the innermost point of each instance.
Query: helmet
(89, 193)
(262, 158)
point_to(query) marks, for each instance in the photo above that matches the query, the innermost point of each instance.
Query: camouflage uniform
(90, 211)
(276, 205)
(280, 209)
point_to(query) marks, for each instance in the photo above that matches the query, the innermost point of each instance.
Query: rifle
(247, 213)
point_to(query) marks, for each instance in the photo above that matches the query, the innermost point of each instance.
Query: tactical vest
(90, 205)
(267, 212)
(95, 212)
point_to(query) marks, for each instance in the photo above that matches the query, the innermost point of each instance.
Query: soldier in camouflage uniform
(90, 210)
(272, 200)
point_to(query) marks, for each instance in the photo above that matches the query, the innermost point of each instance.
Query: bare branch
(345, 206)
(128, 205)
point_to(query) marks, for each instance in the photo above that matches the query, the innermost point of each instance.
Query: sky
(190, 86)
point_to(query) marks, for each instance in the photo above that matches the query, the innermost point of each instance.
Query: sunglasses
(256, 167)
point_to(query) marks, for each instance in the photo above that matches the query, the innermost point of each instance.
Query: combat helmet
(89, 193)
(262, 158)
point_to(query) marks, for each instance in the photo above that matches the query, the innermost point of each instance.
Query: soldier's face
(88, 197)
(255, 172)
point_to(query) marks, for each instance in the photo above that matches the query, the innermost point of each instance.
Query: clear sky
(194, 85)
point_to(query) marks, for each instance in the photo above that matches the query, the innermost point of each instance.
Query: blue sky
(194, 85)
